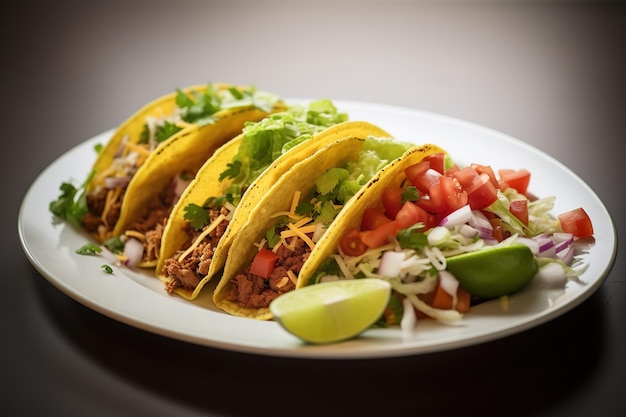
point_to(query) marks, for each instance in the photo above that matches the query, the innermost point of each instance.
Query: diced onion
(133, 249)
(449, 284)
(438, 235)
(408, 323)
(457, 217)
(480, 222)
(551, 275)
(391, 264)
(116, 182)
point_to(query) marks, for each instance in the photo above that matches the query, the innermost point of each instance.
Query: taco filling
(293, 235)
(108, 187)
(262, 143)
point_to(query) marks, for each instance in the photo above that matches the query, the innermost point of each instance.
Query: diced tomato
(351, 243)
(436, 161)
(481, 193)
(442, 300)
(466, 176)
(263, 263)
(453, 197)
(577, 222)
(415, 171)
(392, 201)
(452, 170)
(519, 208)
(372, 218)
(497, 233)
(486, 169)
(518, 179)
(411, 214)
(379, 236)
(426, 180)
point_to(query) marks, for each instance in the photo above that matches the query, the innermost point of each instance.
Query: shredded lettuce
(264, 141)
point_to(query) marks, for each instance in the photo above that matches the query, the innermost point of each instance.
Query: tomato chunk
(263, 263)
(392, 201)
(411, 214)
(372, 218)
(351, 243)
(442, 300)
(519, 208)
(380, 236)
(516, 179)
(576, 222)
(481, 193)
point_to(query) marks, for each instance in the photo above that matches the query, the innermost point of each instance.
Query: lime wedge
(332, 311)
(495, 272)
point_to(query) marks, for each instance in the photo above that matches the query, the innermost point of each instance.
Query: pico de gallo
(442, 211)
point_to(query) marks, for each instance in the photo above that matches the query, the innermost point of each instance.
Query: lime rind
(333, 311)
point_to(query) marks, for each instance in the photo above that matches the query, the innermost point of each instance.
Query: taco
(457, 237)
(289, 229)
(228, 187)
(151, 157)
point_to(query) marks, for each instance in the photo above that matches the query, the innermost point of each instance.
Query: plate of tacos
(193, 215)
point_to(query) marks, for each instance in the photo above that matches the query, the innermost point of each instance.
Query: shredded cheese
(202, 235)
(292, 211)
(112, 196)
(136, 234)
(295, 201)
(292, 276)
(137, 148)
(183, 124)
(282, 282)
(301, 235)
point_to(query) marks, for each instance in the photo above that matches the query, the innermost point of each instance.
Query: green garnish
(198, 216)
(114, 244)
(71, 205)
(410, 194)
(412, 238)
(165, 131)
(107, 269)
(89, 249)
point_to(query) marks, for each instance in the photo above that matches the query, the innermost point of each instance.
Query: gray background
(550, 73)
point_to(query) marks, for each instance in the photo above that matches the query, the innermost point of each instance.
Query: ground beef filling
(92, 221)
(188, 272)
(151, 222)
(253, 291)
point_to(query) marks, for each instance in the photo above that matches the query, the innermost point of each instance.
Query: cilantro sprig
(71, 205)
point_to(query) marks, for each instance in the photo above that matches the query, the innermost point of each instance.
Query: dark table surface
(548, 73)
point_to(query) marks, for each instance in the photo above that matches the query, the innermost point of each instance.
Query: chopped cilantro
(327, 213)
(107, 269)
(410, 194)
(412, 238)
(165, 131)
(98, 147)
(71, 205)
(272, 237)
(198, 217)
(305, 209)
(233, 170)
(89, 249)
(114, 244)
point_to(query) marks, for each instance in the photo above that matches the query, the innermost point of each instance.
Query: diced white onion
(438, 235)
(408, 323)
(457, 217)
(449, 284)
(551, 275)
(133, 249)
(391, 264)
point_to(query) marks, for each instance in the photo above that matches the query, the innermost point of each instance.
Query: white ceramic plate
(138, 298)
